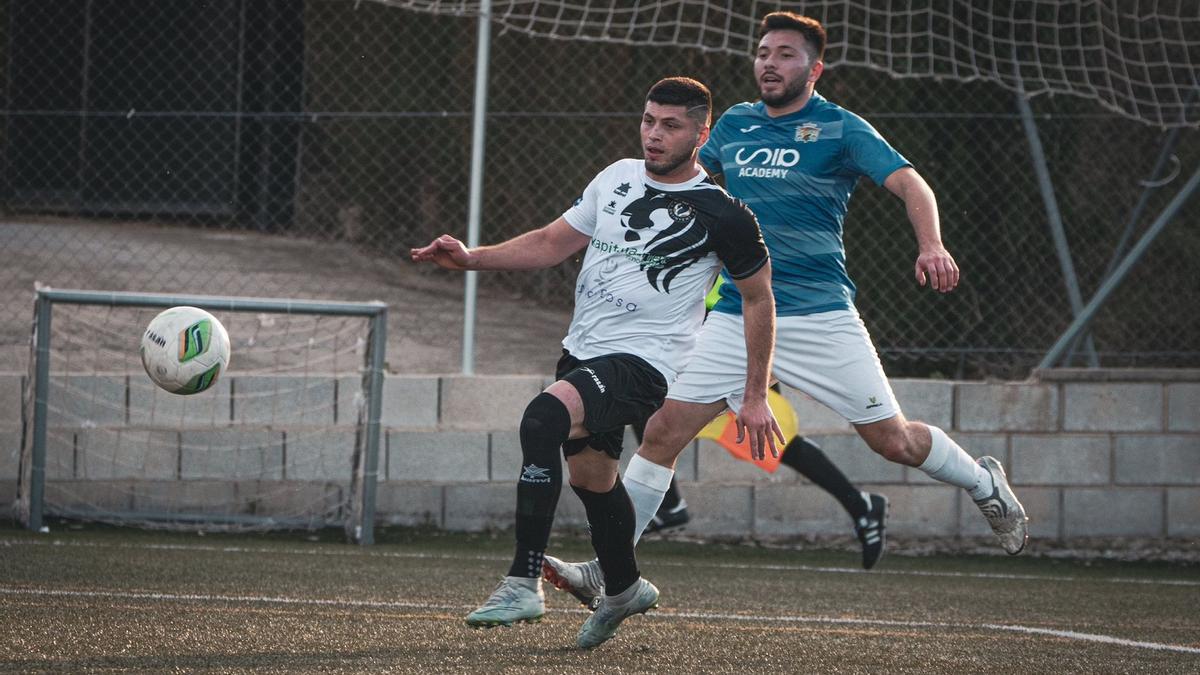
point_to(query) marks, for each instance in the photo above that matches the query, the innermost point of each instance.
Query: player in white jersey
(656, 232)
(795, 158)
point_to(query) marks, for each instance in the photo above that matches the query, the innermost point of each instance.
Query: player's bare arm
(544, 247)
(934, 262)
(758, 312)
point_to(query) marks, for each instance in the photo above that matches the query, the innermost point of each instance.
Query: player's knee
(660, 446)
(546, 419)
(894, 448)
(592, 470)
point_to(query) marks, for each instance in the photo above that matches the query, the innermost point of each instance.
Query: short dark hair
(810, 28)
(684, 91)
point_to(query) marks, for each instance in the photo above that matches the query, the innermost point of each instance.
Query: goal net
(1139, 58)
(287, 438)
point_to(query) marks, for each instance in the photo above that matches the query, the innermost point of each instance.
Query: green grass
(97, 598)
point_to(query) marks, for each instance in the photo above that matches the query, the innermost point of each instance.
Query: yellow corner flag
(723, 430)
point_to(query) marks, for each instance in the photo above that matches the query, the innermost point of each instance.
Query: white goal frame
(359, 524)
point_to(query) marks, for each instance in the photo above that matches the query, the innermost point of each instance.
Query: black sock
(611, 517)
(806, 457)
(544, 427)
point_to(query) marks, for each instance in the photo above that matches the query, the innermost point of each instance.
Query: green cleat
(612, 610)
(515, 600)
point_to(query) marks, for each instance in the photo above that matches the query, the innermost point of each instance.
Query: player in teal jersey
(795, 158)
(867, 510)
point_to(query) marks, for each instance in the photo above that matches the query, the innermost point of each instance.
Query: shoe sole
(1022, 548)
(1025, 541)
(498, 623)
(551, 575)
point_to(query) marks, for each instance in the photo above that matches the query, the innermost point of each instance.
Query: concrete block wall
(1115, 456)
(1129, 450)
(277, 445)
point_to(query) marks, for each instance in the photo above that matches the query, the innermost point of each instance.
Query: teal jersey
(797, 172)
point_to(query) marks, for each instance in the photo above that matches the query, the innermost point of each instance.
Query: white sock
(647, 483)
(949, 463)
(531, 584)
(624, 596)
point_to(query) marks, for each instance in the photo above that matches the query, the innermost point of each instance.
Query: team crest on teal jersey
(807, 132)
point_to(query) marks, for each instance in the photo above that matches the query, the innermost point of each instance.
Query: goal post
(290, 439)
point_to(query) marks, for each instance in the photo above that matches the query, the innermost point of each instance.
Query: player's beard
(668, 163)
(793, 90)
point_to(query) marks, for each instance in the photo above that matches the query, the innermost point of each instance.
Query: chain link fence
(298, 149)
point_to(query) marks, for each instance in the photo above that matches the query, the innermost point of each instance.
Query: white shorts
(828, 356)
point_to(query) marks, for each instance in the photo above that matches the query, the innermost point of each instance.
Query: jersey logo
(807, 132)
(622, 189)
(750, 128)
(532, 473)
(778, 157)
(680, 212)
(678, 241)
(611, 208)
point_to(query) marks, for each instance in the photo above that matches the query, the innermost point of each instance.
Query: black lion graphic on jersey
(677, 241)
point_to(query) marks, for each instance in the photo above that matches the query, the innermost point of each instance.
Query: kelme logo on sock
(534, 474)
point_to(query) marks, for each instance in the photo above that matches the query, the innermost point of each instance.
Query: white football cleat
(583, 580)
(1002, 510)
(603, 623)
(515, 600)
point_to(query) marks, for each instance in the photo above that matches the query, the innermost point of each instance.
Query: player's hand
(756, 420)
(445, 251)
(938, 267)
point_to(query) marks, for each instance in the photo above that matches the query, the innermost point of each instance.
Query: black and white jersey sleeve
(655, 249)
(738, 240)
(582, 214)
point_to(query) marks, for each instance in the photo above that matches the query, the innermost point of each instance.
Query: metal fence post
(1110, 284)
(374, 412)
(41, 391)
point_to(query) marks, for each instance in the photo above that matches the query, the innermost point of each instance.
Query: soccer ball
(184, 349)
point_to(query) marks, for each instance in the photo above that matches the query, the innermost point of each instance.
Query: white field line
(703, 616)
(358, 552)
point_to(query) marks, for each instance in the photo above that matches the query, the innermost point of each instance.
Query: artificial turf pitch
(100, 599)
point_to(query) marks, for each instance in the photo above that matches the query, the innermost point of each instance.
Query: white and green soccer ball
(185, 349)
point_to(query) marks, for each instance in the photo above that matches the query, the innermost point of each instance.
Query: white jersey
(654, 252)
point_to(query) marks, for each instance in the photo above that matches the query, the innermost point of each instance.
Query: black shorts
(616, 389)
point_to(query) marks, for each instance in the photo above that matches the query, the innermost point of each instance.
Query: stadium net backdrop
(344, 126)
